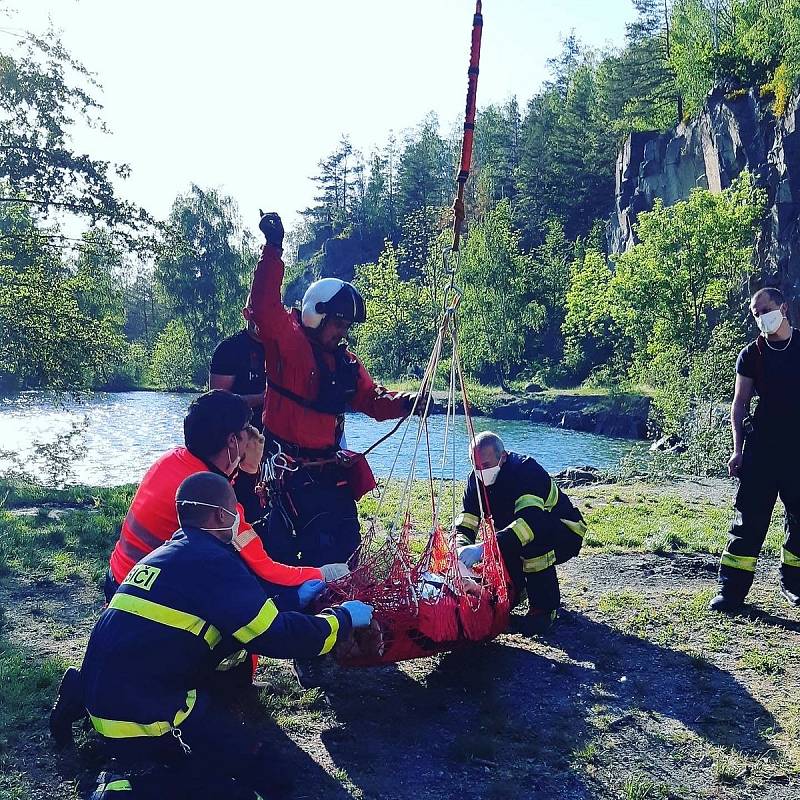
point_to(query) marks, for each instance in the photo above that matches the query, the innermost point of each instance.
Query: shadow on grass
(503, 720)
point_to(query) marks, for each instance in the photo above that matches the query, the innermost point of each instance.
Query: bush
(174, 363)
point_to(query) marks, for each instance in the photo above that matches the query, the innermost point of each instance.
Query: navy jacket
(181, 611)
(523, 498)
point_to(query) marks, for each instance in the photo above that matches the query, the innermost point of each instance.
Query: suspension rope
(469, 118)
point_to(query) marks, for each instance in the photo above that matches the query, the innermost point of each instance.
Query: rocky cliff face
(734, 131)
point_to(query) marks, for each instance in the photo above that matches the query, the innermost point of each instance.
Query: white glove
(332, 572)
(470, 554)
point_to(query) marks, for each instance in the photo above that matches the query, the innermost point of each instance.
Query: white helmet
(332, 297)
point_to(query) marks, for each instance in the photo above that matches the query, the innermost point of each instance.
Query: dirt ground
(638, 693)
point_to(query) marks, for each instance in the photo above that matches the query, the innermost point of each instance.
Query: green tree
(588, 328)
(56, 334)
(44, 92)
(204, 268)
(685, 275)
(567, 153)
(426, 168)
(497, 310)
(638, 85)
(174, 364)
(396, 338)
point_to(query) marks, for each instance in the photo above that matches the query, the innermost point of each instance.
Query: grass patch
(623, 518)
(638, 787)
(767, 662)
(27, 686)
(60, 543)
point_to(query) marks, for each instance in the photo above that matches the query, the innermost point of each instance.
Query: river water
(123, 433)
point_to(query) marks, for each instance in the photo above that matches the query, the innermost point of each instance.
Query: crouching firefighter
(537, 525)
(312, 379)
(149, 667)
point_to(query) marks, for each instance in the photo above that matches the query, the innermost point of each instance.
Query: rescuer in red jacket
(312, 379)
(217, 439)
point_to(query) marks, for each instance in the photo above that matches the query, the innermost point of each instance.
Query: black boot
(68, 708)
(792, 595)
(537, 622)
(726, 604)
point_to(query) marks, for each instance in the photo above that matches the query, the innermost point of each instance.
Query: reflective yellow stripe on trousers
(120, 729)
(540, 563)
(746, 563)
(789, 558)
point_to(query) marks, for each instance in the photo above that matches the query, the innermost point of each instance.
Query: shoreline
(617, 416)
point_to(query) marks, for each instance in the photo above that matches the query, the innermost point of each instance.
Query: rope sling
(425, 600)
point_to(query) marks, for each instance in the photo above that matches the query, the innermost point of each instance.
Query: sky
(248, 95)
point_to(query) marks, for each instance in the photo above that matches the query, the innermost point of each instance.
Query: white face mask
(234, 462)
(488, 475)
(770, 322)
(234, 528)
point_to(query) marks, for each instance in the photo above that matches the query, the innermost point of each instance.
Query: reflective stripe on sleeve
(164, 615)
(577, 527)
(241, 540)
(746, 563)
(522, 531)
(552, 497)
(789, 558)
(333, 621)
(465, 520)
(119, 729)
(528, 501)
(142, 534)
(258, 624)
(540, 563)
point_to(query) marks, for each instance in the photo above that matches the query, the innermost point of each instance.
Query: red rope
(469, 116)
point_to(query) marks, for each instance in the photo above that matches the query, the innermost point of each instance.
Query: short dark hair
(774, 294)
(211, 419)
(197, 493)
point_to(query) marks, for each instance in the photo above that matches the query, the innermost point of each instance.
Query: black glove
(272, 228)
(422, 404)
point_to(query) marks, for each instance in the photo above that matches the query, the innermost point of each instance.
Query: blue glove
(470, 554)
(272, 228)
(309, 591)
(360, 613)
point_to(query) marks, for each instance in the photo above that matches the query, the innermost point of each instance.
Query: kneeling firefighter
(537, 526)
(312, 379)
(150, 668)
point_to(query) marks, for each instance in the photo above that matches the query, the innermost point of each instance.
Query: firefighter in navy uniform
(150, 665)
(764, 453)
(537, 525)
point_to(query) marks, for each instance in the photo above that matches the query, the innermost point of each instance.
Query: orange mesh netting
(424, 600)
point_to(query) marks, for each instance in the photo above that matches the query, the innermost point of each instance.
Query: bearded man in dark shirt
(764, 453)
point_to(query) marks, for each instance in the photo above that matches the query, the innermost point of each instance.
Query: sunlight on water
(127, 431)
